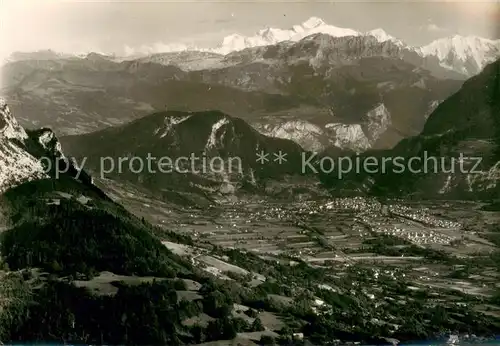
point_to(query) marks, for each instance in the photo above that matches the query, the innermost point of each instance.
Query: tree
(251, 313)
(240, 325)
(221, 329)
(216, 304)
(286, 331)
(198, 333)
(495, 299)
(257, 325)
(180, 285)
(267, 340)
(55, 266)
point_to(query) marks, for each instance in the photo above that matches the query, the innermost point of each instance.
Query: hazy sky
(108, 26)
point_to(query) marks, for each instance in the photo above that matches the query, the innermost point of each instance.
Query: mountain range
(466, 55)
(77, 267)
(350, 92)
(325, 88)
(464, 124)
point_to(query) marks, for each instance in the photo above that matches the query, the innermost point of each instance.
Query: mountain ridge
(320, 80)
(461, 138)
(466, 55)
(207, 153)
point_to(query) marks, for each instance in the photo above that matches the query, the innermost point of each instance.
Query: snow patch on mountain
(484, 180)
(379, 120)
(481, 180)
(357, 137)
(264, 37)
(446, 186)
(349, 136)
(432, 107)
(307, 135)
(467, 55)
(215, 135)
(383, 36)
(170, 122)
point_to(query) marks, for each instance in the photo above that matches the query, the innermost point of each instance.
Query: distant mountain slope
(466, 124)
(224, 152)
(47, 54)
(323, 50)
(82, 95)
(187, 60)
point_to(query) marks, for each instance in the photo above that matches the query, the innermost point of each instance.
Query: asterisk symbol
(280, 157)
(262, 157)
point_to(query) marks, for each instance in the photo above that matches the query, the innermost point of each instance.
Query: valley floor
(438, 249)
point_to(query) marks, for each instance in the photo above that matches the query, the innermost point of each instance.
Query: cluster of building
(422, 217)
(420, 237)
(352, 203)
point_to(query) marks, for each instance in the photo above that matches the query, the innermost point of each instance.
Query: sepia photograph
(240, 173)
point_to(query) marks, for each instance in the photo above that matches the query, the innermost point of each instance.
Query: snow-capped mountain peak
(313, 22)
(315, 25)
(382, 36)
(467, 54)
(311, 26)
(270, 36)
(462, 45)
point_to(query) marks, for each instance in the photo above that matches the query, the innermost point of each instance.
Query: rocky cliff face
(30, 155)
(17, 165)
(457, 155)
